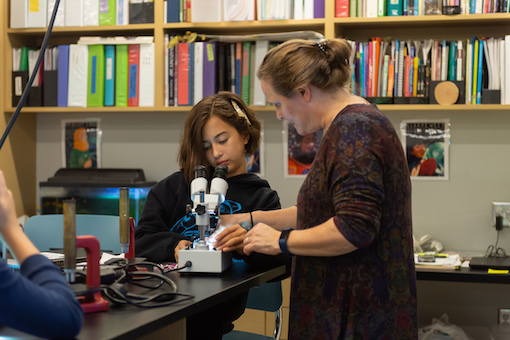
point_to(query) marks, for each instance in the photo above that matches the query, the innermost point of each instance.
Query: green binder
(121, 75)
(107, 10)
(95, 82)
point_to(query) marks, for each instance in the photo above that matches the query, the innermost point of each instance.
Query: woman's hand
(262, 239)
(181, 245)
(231, 239)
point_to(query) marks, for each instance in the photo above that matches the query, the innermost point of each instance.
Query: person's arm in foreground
(39, 301)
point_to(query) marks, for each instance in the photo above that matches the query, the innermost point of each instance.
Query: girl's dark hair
(222, 105)
(298, 62)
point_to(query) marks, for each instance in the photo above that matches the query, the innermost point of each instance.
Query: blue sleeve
(37, 300)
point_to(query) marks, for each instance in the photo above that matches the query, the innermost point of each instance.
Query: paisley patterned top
(360, 179)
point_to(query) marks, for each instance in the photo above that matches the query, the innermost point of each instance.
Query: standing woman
(350, 234)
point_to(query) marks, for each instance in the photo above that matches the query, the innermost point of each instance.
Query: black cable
(117, 293)
(494, 250)
(32, 77)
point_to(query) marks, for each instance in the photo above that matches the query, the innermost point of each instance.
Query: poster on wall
(299, 150)
(426, 144)
(81, 143)
(255, 162)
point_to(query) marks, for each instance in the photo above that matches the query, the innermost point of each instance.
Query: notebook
(502, 263)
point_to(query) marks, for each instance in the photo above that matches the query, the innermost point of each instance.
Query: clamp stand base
(91, 301)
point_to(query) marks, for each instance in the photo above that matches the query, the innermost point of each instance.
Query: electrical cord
(117, 292)
(494, 250)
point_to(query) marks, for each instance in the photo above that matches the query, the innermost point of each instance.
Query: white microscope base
(204, 261)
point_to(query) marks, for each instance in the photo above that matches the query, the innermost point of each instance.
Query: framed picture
(426, 144)
(299, 151)
(255, 162)
(81, 143)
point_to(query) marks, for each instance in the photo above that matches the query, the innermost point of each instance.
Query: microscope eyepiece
(199, 171)
(221, 172)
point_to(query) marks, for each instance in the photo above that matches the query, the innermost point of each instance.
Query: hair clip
(240, 112)
(322, 45)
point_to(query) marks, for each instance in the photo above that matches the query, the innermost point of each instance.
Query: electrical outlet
(504, 317)
(501, 209)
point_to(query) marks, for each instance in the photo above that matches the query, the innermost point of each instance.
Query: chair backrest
(266, 297)
(47, 231)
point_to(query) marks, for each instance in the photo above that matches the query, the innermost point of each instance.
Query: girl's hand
(181, 245)
(231, 239)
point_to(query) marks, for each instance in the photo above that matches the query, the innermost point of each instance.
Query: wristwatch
(283, 241)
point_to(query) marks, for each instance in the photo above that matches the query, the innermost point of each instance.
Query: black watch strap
(283, 241)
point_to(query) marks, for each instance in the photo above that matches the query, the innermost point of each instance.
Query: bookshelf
(421, 27)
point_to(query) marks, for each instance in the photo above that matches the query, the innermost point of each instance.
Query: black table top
(129, 322)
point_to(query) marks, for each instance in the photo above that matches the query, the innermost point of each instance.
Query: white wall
(457, 212)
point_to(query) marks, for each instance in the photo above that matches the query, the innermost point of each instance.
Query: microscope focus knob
(200, 209)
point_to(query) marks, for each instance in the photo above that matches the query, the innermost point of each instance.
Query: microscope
(206, 208)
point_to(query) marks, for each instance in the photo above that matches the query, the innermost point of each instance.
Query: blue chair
(266, 297)
(47, 231)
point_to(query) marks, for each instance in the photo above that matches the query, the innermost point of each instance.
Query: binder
(239, 59)
(78, 70)
(91, 12)
(19, 14)
(19, 82)
(96, 73)
(121, 75)
(318, 9)
(173, 11)
(74, 12)
(122, 12)
(182, 74)
(60, 18)
(147, 69)
(50, 88)
(207, 10)
(133, 74)
(107, 12)
(171, 75)
(261, 48)
(37, 13)
(35, 94)
(109, 75)
(395, 8)
(62, 75)
(141, 12)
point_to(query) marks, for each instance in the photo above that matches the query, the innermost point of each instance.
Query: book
(122, 10)
(133, 74)
(381, 8)
(342, 8)
(109, 75)
(78, 70)
(318, 9)
(209, 68)
(182, 56)
(121, 75)
(198, 82)
(107, 12)
(191, 72)
(147, 72)
(173, 11)
(96, 74)
(91, 12)
(245, 71)
(62, 75)
(171, 72)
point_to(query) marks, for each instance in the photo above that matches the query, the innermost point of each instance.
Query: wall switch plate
(501, 209)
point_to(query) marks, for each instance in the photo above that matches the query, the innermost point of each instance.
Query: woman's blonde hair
(230, 108)
(298, 62)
